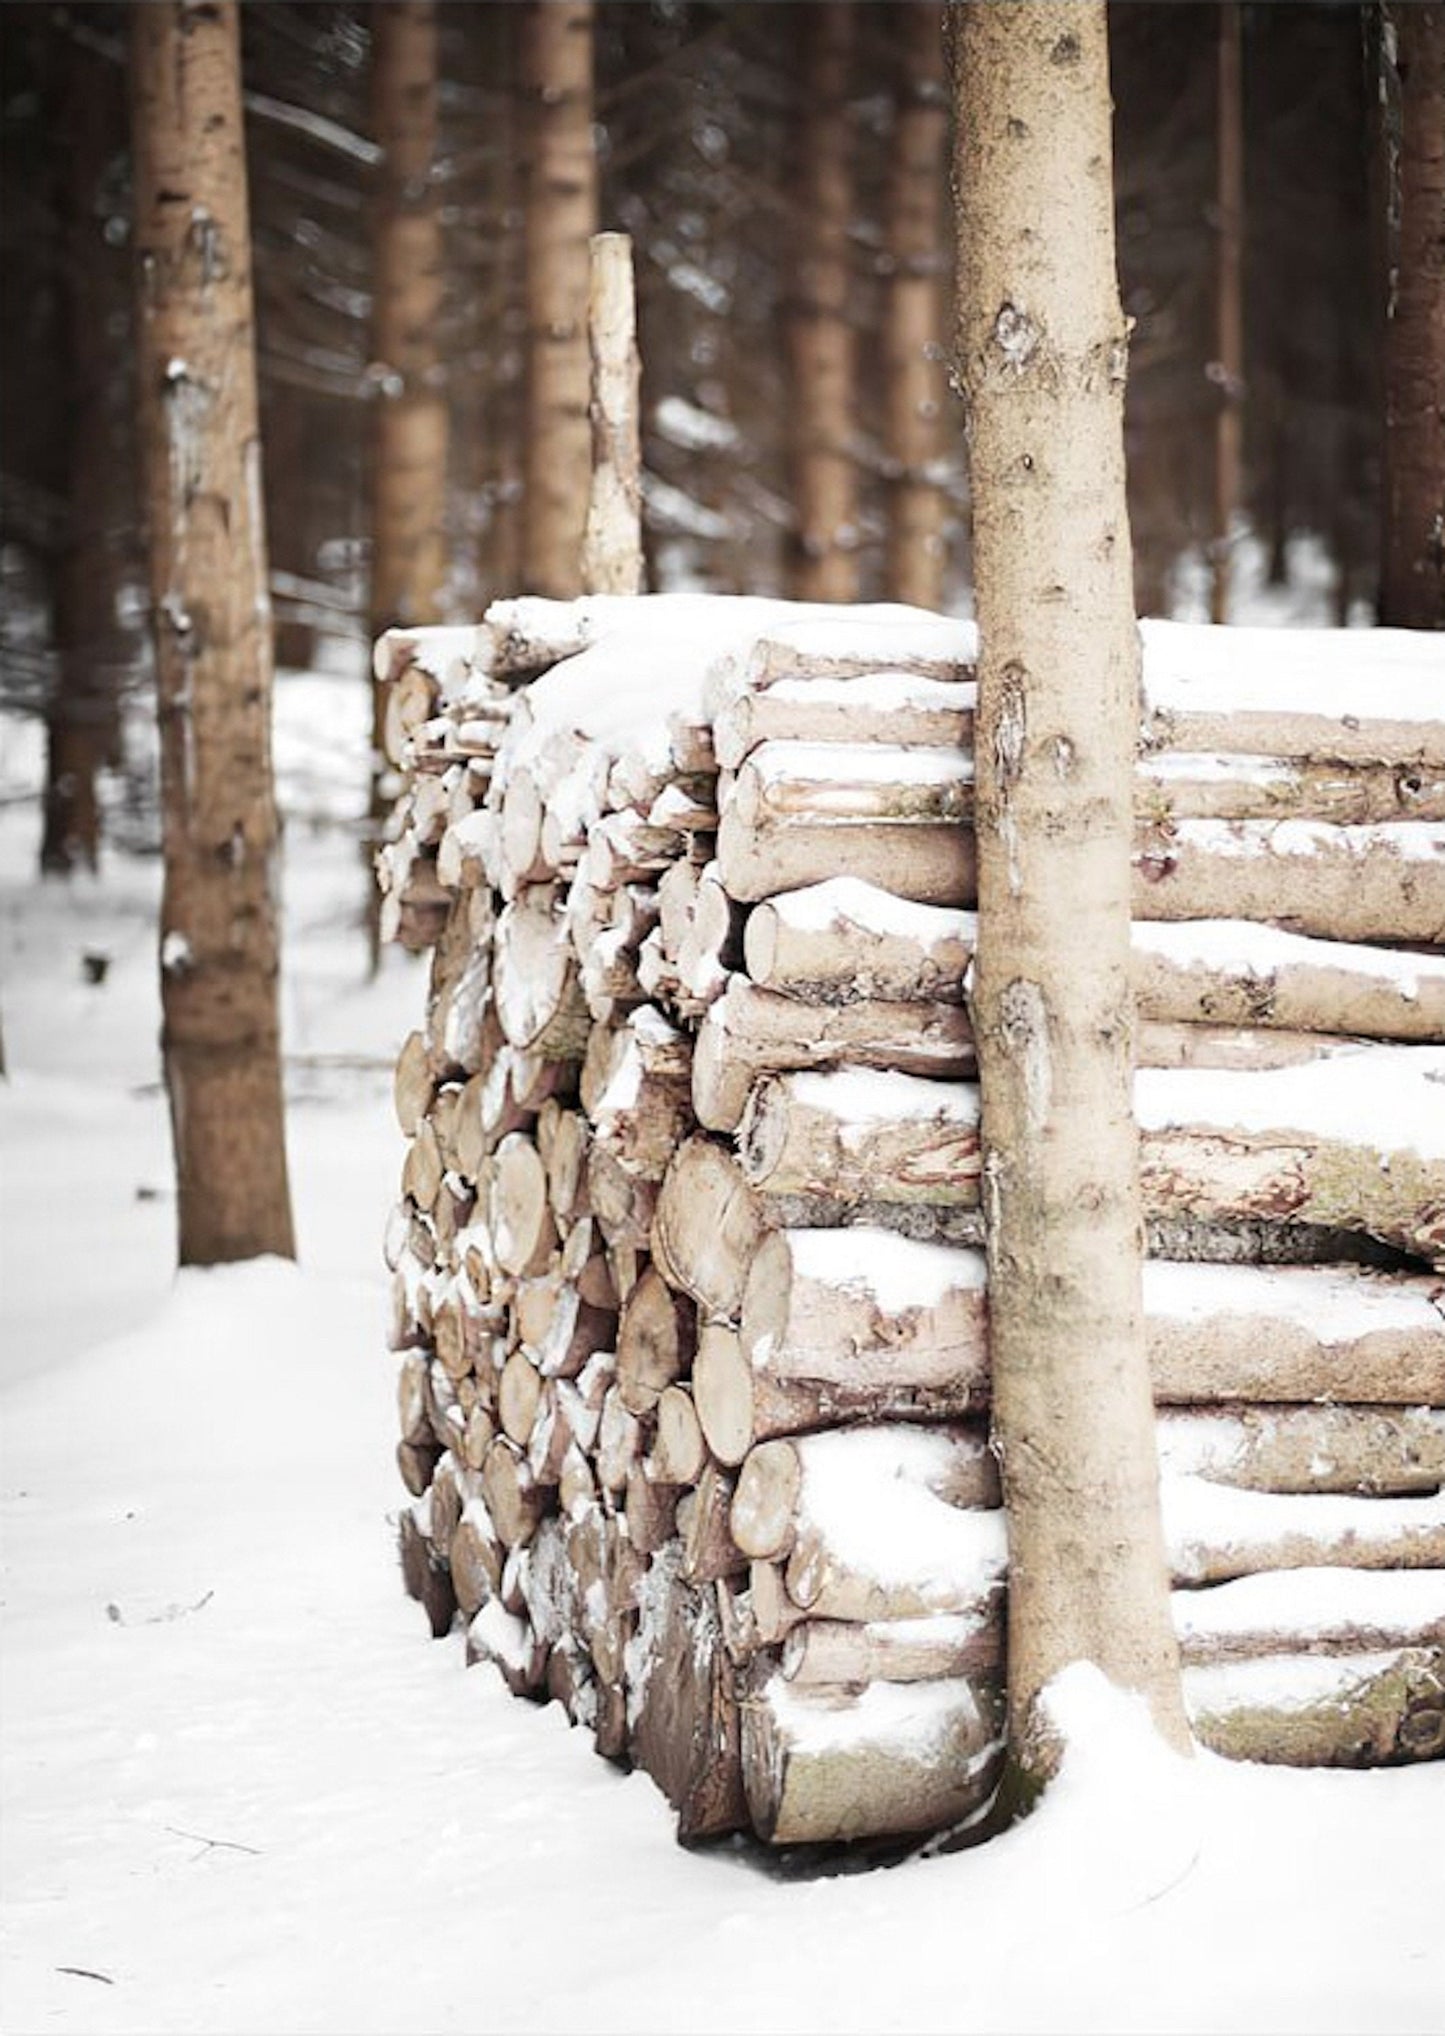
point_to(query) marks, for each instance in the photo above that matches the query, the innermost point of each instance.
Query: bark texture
(1413, 590)
(1042, 354)
(561, 215)
(819, 336)
(913, 312)
(211, 620)
(612, 545)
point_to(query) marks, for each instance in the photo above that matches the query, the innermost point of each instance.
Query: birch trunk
(612, 543)
(1042, 355)
(211, 619)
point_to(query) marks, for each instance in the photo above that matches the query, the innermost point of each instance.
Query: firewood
(860, 1308)
(477, 1556)
(619, 1442)
(678, 1451)
(522, 1227)
(827, 1764)
(620, 1055)
(1230, 972)
(1297, 1144)
(445, 1502)
(1242, 1047)
(1276, 788)
(893, 1650)
(928, 862)
(425, 1579)
(768, 1508)
(656, 1334)
(712, 943)
(508, 1642)
(538, 997)
(519, 1392)
(842, 939)
(650, 1509)
(411, 1400)
(786, 782)
(515, 1500)
(567, 1167)
(1239, 1333)
(1382, 1451)
(705, 1526)
(1311, 1612)
(881, 707)
(1363, 1710)
(477, 1437)
(414, 1084)
(416, 1461)
(622, 1201)
(1212, 1537)
(421, 1175)
(686, 1704)
(708, 1226)
(1341, 883)
(749, 1032)
(851, 1136)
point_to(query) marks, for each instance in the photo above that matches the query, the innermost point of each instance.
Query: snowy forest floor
(242, 1791)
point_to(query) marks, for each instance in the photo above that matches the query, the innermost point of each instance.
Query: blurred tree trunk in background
(82, 722)
(1413, 576)
(211, 620)
(821, 393)
(504, 407)
(1228, 305)
(915, 258)
(409, 435)
(561, 216)
(1041, 361)
(409, 445)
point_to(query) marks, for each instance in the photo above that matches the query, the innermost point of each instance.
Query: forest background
(704, 121)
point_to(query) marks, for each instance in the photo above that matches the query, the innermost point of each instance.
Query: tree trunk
(1228, 365)
(81, 718)
(612, 544)
(1413, 589)
(823, 563)
(561, 215)
(913, 314)
(211, 619)
(409, 443)
(1042, 352)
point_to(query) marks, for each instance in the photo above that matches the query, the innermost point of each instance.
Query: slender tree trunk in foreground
(612, 548)
(1042, 354)
(211, 620)
(823, 564)
(1413, 591)
(561, 215)
(913, 313)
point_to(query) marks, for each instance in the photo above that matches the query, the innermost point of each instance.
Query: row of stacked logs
(689, 1292)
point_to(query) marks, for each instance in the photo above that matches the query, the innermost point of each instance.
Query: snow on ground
(242, 1791)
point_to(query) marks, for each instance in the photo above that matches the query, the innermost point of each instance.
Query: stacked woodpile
(690, 1297)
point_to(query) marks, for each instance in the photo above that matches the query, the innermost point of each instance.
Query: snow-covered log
(750, 1032)
(824, 1764)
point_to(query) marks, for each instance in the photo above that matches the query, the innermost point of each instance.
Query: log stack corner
(688, 1289)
